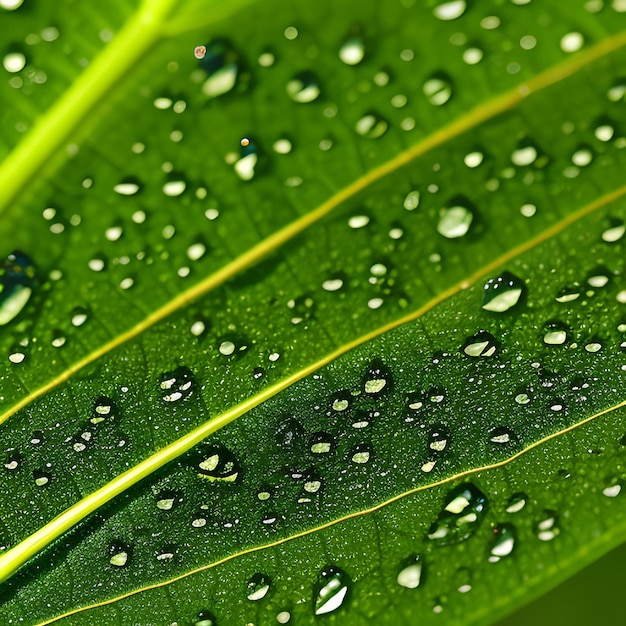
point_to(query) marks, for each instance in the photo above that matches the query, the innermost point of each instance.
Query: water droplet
(438, 89)
(258, 587)
(199, 52)
(289, 433)
(13, 461)
(303, 87)
(582, 156)
(569, 293)
(473, 159)
(438, 439)
(463, 511)
(371, 125)
(37, 438)
(127, 187)
(599, 278)
(447, 11)
(555, 334)
(177, 384)
(615, 231)
(17, 279)
(321, 443)
(352, 50)
(119, 553)
(221, 63)
(502, 293)
(503, 542)
(103, 410)
(332, 590)
(361, 453)
(219, 463)
(516, 502)
(572, 42)
(547, 528)
(377, 378)
(455, 221)
(42, 478)
(167, 500)
(525, 153)
(246, 163)
(502, 436)
(612, 490)
(205, 618)
(482, 344)
(410, 574)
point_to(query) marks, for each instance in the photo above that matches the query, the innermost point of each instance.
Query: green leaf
(327, 324)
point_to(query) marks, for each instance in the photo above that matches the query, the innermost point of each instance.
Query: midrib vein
(146, 22)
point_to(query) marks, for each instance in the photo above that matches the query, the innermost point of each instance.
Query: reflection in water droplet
(17, 279)
(303, 87)
(321, 443)
(547, 528)
(331, 591)
(258, 586)
(503, 543)
(438, 439)
(450, 10)
(410, 574)
(377, 378)
(464, 509)
(361, 453)
(502, 293)
(482, 344)
(371, 125)
(555, 334)
(119, 553)
(455, 221)
(221, 63)
(352, 51)
(438, 89)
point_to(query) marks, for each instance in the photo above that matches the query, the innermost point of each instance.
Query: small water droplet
(199, 52)
(103, 410)
(526, 153)
(555, 334)
(42, 478)
(127, 187)
(221, 62)
(17, 279)
(502, 436)
(79, 316)
(331, 591)
(438, 439)
(177, 384)
(548, 528)
(167, 500)
(463, 511)
(119, 553)
(245, 165)
(438, 89)
(410, 574)
(321, 443)
(205, 618)
(569, 293)
(455, 221)
(572, 42)
(482, 344)
(503, 542)
(377, 378)
(615, 231)
(258, 587)
(371, 125)
(289, 433)
(361, 453)
(516, 502)
(304, 87)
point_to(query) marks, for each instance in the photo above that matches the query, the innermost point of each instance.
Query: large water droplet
(371, 125)
(17, 278)
(331, 591)
(352, 50)
(221, 63)
(377, 379)
(103, 410)
(410, 574)
(450, 10)
(438, 439)
(455, 221)
(555, 334)
(463, 511)
(502, 293)
(516, 502)
(177, 384)
(304, 87)
(503, 543)
(482, 344)
(219, 463)
(438, 89)
(258, 587)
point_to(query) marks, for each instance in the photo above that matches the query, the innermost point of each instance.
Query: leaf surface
(305, 257)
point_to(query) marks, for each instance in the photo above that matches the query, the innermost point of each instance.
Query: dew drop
(42, 478)
(503, 542)
(331, 591)
(127, 187)
(352, 51)
(438, 439)
(447, 11)
(167, 500)
(218, 463)
(371, 125)
(199, 52)
(438, 89)
(119, 553)
(361, 453)
(205, 618)
(502, 293)
(572, 42)
(14, 62)
(377, 378)
(17, 279)
(482, 344)
(412, 200)
(289, 433)
(410, 574)
(525, 154)
(258, 587)
(321, 443)
(103, 410)
(454, 221)
(569, 293)
(304, 87)
(516, 502)
(246, 163)
(221, 63)
(502, 436)
(547, 529)
(177, 384)
(555, 334)
(463, 511)
(614, 232)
